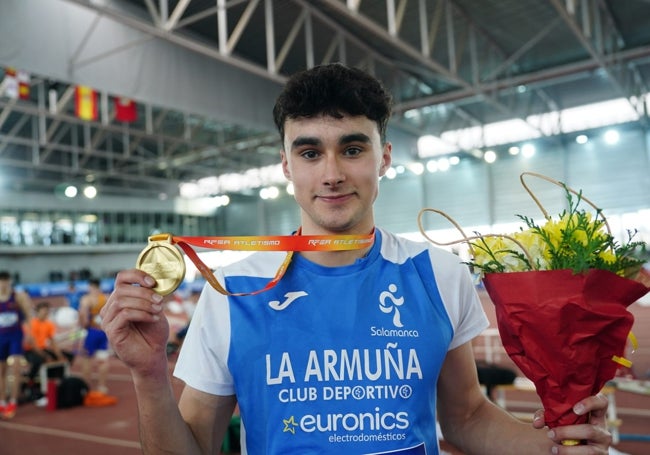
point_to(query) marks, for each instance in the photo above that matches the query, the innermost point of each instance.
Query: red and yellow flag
(23, 85)
(85, 103)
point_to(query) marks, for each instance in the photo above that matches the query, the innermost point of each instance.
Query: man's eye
(309, 154)
(353, 151)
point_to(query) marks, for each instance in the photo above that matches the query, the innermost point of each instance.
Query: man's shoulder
(85, 301)
(409, 246)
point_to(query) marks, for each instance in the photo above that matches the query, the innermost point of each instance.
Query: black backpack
(71, 392)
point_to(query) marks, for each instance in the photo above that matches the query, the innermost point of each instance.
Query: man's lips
(334, 198)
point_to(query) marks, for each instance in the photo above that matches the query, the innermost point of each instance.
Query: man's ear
(386, 158)
(285, 165)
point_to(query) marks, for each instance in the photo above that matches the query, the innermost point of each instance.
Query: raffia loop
(467, 239)
(561, 185)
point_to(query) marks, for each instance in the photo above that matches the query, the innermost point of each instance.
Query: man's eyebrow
(315, 141)
(354, 137)
(305, 140)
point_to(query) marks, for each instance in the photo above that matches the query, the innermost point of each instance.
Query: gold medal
(163, 262)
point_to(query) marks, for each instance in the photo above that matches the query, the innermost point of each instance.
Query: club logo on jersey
(388, 303)
(290, 297)
(349, 424)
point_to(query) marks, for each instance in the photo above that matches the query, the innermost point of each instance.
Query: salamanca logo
(390, 303)
(398, 333)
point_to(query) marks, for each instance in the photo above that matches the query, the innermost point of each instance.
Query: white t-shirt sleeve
(203, 360)
(459, 296)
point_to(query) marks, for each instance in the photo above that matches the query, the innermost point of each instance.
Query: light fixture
(416, 167)
(269, 192)
(426, 145)
(443, 164)
(490, 156)
(476, 153)
(514, 150)
(90, 192)
(70, 191)
(290, 189)
(527, 150)
(432, 146)
(611, 137)
(391, 173)
(88, 218)
(582, 139)
(221, 201)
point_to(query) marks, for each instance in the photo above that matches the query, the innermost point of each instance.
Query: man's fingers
(134, 276)
(595, 434)
(596, 405)
(538, 419)
(133, 299)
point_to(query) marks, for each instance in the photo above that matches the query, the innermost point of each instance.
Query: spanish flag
(85, 103)
(23, 85)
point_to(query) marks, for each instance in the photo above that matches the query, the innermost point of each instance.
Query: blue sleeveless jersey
(11, 316)
(335, 359)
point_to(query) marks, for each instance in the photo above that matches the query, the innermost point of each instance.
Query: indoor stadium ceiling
(450, 64)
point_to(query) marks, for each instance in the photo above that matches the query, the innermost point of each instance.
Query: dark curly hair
(333, 90)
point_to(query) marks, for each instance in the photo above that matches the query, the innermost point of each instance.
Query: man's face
(5, 286)
(42, 313)
(335, 165)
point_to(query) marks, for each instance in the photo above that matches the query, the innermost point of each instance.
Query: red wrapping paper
(562, 331)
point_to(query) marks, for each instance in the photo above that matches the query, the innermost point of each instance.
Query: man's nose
(333, 173)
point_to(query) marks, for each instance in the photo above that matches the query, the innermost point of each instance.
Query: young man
(41, 346)
(95, 346)
(15, 309)
(354, 352)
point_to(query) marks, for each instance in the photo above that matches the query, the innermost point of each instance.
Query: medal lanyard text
(288, 243)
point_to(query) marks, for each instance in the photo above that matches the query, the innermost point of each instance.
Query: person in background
(95, 346)
(40, 344)
(15, 310)
(356, 351)
(73, 296)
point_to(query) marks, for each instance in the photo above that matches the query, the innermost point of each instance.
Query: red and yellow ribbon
(288, 243)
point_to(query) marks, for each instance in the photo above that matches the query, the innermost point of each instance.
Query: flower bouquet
(561, 292)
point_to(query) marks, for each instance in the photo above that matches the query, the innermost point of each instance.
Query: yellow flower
(607, 256)
(536, 247)
(575, 240)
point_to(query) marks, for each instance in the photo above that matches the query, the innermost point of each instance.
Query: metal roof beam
(398, 44)
(598, 48)
(379, 31)
(178, 12)
(182, 41)
(543, 77)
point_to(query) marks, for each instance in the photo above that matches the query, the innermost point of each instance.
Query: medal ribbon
(288, 243)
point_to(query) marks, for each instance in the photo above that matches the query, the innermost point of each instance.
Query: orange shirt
(42, 331)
